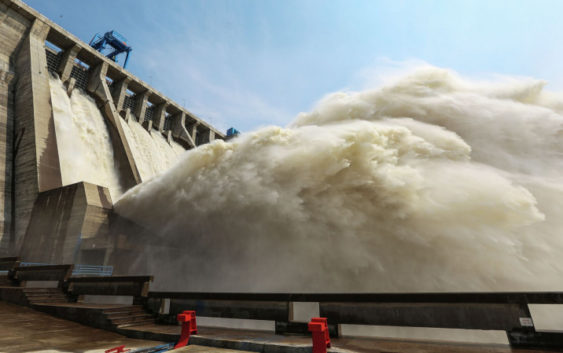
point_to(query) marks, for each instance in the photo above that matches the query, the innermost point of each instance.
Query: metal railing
(80, 270)
(92, 270)
(506, 311)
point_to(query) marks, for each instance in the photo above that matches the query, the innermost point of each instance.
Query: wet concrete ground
(23, 329)
(26, 330)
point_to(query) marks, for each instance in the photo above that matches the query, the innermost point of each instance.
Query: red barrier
(119, 349)
(189, 327)
(319, 329)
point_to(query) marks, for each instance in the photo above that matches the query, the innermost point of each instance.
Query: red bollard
(189, 327)
(119, 349)
(319, 329)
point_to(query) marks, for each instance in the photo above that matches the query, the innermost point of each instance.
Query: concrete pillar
(141, 105)
(98, 86)
(119, 91)
(193, 131)
(207, 135)
(70, 86)
(67, 62)
(159, 116)
(127, 115)
(147, 124)
(37, 160)
(178, 128)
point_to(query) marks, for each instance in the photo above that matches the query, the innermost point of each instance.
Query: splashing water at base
(83, 141)
(431, 183)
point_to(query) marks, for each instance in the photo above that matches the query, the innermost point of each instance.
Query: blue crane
(116, 42)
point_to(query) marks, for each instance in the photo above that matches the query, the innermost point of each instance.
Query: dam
(60, 177)
(430, 202)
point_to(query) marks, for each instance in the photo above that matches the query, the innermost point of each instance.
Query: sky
(252, 63)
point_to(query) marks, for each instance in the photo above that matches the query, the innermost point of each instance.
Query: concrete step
(132, 319)
(33, 294)
(47, 302)
(125, 309)
(119, 316)
(137, 323)
(35, 291)
(5, 281)
(47, 297)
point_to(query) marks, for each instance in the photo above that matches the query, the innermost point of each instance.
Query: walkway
(26, 330)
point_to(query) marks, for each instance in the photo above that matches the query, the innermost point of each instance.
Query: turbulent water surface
(429, 183)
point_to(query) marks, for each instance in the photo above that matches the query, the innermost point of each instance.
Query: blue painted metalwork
(115, 41)
(33, 264)
(232, 132)
(92, 270)
(80, 270)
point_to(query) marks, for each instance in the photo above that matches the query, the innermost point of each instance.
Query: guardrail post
(188, 320)
(319, 329)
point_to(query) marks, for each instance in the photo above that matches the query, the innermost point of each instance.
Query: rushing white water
(432, 182)
(152, 153)
(83, 141)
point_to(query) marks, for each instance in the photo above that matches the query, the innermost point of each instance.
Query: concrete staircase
(127, 316)
(5, 281)
(45, 296)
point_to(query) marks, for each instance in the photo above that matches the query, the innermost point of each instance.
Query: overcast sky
(250, 63)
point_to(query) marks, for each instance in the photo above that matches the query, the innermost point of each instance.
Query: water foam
(432, 182)
(152, 153)
(83, 140)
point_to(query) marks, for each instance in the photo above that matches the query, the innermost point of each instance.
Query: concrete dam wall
(76, 131)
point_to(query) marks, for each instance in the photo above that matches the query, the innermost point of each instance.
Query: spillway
(153, 153)
(86, 151)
